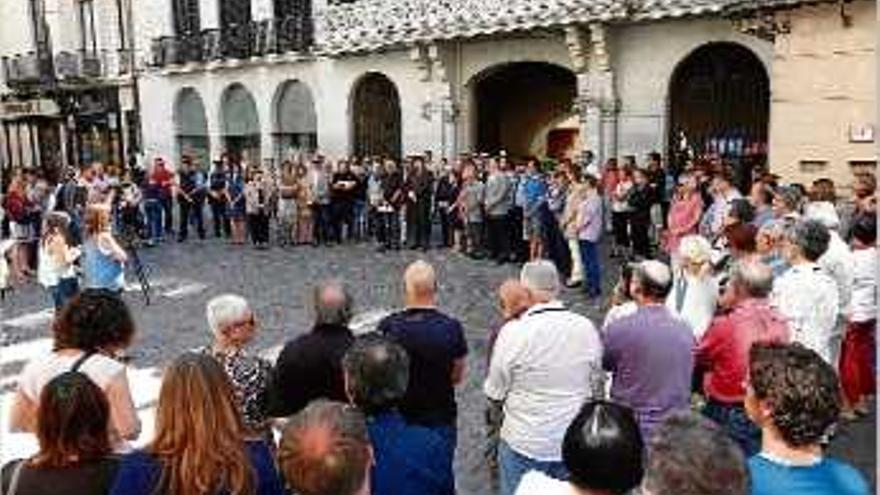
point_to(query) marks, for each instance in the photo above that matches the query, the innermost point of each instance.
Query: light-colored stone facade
(824, 102)
(623, 73)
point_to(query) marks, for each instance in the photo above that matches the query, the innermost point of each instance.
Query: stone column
(601, 99)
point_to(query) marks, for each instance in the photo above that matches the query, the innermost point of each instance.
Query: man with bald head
(437, 348)
(310, 366)
(650, 353)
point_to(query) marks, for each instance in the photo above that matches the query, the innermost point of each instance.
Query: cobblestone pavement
(276, 282)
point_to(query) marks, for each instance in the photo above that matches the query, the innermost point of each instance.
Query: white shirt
(538, 483)
(864, 302)
(838, 263)
(698, 302)
(807, 297)
(544, 366)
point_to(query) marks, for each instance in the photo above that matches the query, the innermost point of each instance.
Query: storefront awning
(43, 107)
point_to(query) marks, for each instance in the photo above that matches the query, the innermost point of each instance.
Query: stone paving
(277, 283)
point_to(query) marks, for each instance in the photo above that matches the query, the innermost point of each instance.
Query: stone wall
(824, 85)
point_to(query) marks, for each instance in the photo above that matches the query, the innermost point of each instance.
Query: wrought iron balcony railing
(255, 39)
(27, 69)
(78, 66)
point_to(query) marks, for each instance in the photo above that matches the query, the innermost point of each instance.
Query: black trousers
(620, 225)
(446, 221)
(343, 216)
(167, 210)
(191, 210)
(421, 225)
(220, 217)
(258, 224)
(518, 247)
(499, 238)
(641, 243)
(389, 226)
(323, 218)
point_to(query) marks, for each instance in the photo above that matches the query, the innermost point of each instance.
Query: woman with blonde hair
(694, 294)
(103, 258)
(200, 445)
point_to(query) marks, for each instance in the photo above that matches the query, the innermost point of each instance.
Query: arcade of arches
(525, 108)
(719, 104)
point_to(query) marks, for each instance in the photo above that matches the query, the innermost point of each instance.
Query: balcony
(78, 66)
(236, 42)
(27, 69)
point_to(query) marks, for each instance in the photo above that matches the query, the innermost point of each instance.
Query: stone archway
(191, 126)
(719, 104)
(518, 107)
(240, 123)
(376, 128)
(296, 122)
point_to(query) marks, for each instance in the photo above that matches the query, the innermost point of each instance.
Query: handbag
(16, 476)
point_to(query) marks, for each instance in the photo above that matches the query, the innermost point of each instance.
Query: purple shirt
(590, 218)
(650, 354)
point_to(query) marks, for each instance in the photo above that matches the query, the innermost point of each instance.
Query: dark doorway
(376, 117)
(719, 106)
(518, 104)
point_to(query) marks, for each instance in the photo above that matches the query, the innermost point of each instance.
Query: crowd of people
(740, 333)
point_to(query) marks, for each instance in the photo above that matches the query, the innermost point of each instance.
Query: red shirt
(163, 178)
(724, 349)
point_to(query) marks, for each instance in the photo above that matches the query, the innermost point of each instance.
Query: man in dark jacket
(389, 211)
(310, 366)
(419, 186)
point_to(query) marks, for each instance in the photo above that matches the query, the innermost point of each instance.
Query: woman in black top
(75, 449)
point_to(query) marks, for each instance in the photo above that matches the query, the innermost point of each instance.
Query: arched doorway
(296, 123)
(241, 125)
(376, 117)
(191, 126)
(525, 108)
(719, 105)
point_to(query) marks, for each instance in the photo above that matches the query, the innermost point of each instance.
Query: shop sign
(28, 108)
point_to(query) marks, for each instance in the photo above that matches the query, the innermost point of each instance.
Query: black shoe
(181, 239)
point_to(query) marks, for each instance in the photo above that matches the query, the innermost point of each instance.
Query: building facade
(68, 96)
(270, 78)
(825, 92)
(397, 77)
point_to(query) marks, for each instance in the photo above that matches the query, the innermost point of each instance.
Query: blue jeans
(592, 272)
(154, 219)
(61, 293)
(513, 466)
(733, 419)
